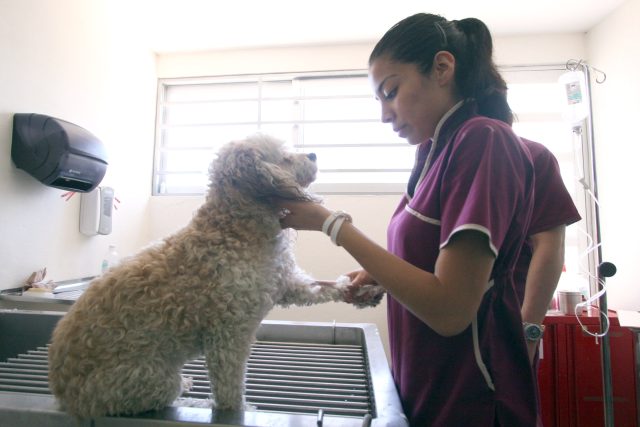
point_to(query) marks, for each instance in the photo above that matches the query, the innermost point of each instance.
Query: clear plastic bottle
(111, 259)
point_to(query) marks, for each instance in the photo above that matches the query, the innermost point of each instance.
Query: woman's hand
(303, 215)
(360, 278)
(363, 291)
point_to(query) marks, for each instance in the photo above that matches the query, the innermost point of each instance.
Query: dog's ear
(242, 167)
(234, 163)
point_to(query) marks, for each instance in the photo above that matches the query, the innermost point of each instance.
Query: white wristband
(326, 225)
(337, 225)
(327, 222)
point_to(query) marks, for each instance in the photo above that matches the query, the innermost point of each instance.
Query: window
(331, 114)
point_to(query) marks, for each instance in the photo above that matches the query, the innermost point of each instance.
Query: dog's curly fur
(201, 291)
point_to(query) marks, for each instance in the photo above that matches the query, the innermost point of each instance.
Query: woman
(458, 352)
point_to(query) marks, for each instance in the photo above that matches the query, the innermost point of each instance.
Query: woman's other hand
(303, 215)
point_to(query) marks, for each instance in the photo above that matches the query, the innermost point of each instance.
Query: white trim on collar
(434, 144)
(444, 119)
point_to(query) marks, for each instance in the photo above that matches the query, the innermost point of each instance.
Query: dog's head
(260, 168)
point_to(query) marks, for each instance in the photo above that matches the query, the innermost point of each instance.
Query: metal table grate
(281, 377)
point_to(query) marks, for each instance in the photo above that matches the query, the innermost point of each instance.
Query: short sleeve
(553, 205)
(487, 178)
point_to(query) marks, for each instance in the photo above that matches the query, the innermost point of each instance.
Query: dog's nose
(312, 156)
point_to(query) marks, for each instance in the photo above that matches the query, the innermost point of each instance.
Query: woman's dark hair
(419, 37)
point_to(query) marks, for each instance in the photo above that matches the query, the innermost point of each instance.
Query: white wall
(613, 48)
(70, 59)
(315, 252)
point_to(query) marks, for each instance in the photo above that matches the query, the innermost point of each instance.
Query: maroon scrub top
(552, 206)
(475, 174)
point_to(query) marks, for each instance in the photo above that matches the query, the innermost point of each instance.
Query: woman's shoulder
(479, 132)
(483, 124)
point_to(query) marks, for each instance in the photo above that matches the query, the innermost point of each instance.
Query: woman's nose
(312, 156)
(387, 114)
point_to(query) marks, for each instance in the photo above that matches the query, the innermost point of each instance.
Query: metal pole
(605, 269)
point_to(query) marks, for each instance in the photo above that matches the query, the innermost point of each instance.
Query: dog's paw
(186, 383)
(362, 296)
(368, 296)
(192, 402)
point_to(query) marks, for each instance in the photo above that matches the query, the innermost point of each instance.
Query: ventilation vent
(299, 378)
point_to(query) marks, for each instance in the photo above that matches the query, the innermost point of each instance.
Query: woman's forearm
(447, 300)
(544, 272)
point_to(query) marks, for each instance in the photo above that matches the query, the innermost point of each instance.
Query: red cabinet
(570, 374)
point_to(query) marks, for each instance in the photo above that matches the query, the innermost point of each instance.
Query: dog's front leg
(298, 288)
(302, 290)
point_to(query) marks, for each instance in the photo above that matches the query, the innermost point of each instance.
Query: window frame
(376, 188)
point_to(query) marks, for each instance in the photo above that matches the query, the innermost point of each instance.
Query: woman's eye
(390, 94)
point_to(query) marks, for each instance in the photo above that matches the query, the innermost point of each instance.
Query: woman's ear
(444, 67)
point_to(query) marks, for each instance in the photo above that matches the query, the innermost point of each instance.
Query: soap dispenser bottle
(111, 259)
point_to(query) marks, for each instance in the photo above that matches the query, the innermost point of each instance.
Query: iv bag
(576, 107)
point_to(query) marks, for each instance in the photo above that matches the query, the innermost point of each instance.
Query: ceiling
(193, 25)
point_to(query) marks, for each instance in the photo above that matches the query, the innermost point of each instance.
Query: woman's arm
(544, 272)
(447, 301)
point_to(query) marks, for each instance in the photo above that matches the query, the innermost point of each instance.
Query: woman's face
(412, 102)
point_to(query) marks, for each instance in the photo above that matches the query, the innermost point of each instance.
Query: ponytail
(419, 37)
(476, 74)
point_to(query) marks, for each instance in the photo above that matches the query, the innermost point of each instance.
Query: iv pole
(604, 269)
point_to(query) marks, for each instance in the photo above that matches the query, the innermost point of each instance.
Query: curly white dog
(201, 291)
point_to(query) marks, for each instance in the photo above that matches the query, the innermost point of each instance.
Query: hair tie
(444, 35)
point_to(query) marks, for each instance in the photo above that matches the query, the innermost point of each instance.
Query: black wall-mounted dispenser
(58, 153)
